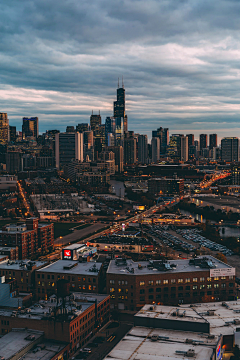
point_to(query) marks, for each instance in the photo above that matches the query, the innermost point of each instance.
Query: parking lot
(195, 236)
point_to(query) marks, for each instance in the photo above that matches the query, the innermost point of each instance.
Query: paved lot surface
(103, 349)
(78, 234)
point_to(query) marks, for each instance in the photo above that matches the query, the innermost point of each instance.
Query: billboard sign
(67, 254)
(222, 272)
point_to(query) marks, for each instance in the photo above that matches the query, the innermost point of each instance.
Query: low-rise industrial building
(21, 271)
(81, 276)
(206, 331)
(131, 284)
(122, 244)
(31, 238)
(169, 186)
(72, 321)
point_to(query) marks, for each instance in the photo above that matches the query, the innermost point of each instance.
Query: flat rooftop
(45, 309)
(46, 351)
(15, 341)
(20, 264)
(72, 267)
(74, 246)
(223, 317)
(141, 267)
(121, 240)
(137, 344)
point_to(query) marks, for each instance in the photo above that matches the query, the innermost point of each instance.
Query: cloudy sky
(180, 59)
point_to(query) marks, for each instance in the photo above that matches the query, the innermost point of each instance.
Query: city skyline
(179, 61)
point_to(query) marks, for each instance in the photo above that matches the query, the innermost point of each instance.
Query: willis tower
(119, 106)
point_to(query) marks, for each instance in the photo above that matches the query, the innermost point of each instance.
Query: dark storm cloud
(180, 61)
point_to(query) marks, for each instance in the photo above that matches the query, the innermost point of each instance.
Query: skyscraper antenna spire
(118, 83)
(122, 83)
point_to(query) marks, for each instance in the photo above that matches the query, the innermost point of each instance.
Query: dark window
(180, 294)
(165, 289)
(165, 295)
(201, 293)
(230, 291)
(231, 284)
(158, 296)
(158, 289)
(187, 294)
(142, 291)
(173, 288)
(187, 287)
(150, 297)
(142, 298)
(195, 293)
(180, 288)
(150, 290)
(209, 293)
(173, 296)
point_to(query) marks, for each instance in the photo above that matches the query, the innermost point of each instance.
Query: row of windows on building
(173, 288)
(73, 286)
(187, 280)
(72, 278)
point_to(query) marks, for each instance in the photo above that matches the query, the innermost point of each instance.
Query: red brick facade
(131, 292)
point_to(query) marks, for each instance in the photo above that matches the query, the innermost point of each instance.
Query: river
(227, 232)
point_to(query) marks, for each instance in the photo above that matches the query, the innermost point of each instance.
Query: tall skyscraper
(212, 141)
(174, 148)
(12, 133)
(30, 127)
(230, 149)
(110, 125)
(190, 138)
(4, 128)
(155, 149)
(184, 148)
(143, 149)
(203, 141)
(119, 131)
(163, 134)
(119, 105)
(69, 146)
(95, 120)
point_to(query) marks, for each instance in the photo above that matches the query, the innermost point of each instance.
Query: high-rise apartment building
(190, 138)
(30, 127)
(12, 133)
(130, 149)
(155, 149)
(95, 120)
(203, 141)
(143, 149)
(4, 128)
(118, 152)
(174, 148)
(212, 141)
(68, 146)
(184, 148)
(230, 149)
(163, 135)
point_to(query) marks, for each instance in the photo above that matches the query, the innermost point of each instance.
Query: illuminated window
(173, 281)
(216, 285)
(180, 280)
(202, 287)
(209, 279)
(223, 278)
(165, 281)
(194, 287)
(202, 279)
(142, 283)
(216, 278)
(209, 286)
(158, 282)
(89, 287)
(150, 282)
(187, 280)
(194, 279)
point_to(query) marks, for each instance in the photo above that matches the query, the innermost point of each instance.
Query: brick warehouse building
(81, 276)
(21, 271)
(131, 284)
(30, 237)
(74, 322)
